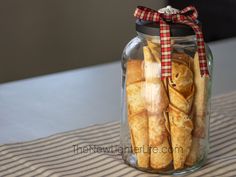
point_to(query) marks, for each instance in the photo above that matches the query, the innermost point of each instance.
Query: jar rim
(153, 29)
(156, 38)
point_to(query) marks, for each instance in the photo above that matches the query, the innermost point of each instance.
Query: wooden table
(45, 105)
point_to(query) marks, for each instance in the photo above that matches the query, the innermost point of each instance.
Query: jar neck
(156, 39)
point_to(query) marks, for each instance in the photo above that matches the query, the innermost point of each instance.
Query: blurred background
(46, 36)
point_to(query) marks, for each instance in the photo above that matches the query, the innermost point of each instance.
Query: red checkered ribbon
(186, 16)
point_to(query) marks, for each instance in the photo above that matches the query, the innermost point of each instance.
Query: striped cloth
(59, 155)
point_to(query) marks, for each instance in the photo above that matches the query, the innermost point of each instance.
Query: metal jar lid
(153, 29)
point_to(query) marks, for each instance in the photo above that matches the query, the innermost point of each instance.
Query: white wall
(224, 73)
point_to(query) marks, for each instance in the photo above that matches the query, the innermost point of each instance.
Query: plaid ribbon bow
(186, 16)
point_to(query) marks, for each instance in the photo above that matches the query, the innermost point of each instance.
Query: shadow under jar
(165, 123)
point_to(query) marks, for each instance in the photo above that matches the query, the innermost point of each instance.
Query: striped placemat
(79, 152)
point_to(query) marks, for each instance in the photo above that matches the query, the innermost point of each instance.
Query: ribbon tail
(165, 41)
(200, 48)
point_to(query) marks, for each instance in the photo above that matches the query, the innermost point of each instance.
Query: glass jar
(165, 123)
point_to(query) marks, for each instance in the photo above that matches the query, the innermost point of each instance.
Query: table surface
(41, 106)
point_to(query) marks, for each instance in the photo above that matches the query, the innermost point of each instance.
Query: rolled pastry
(134, 71)
(161, 155)
(137, 115)
(155, 49)
(139, 127)
(181, 138)
(178, 100)
(184, 58)
(199, 113)
(156, 103)
(181, 94)
(194, 152)
(200, 99)
(182, 78)
(135, 98)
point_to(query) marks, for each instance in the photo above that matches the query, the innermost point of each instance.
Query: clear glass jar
(165, 123)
